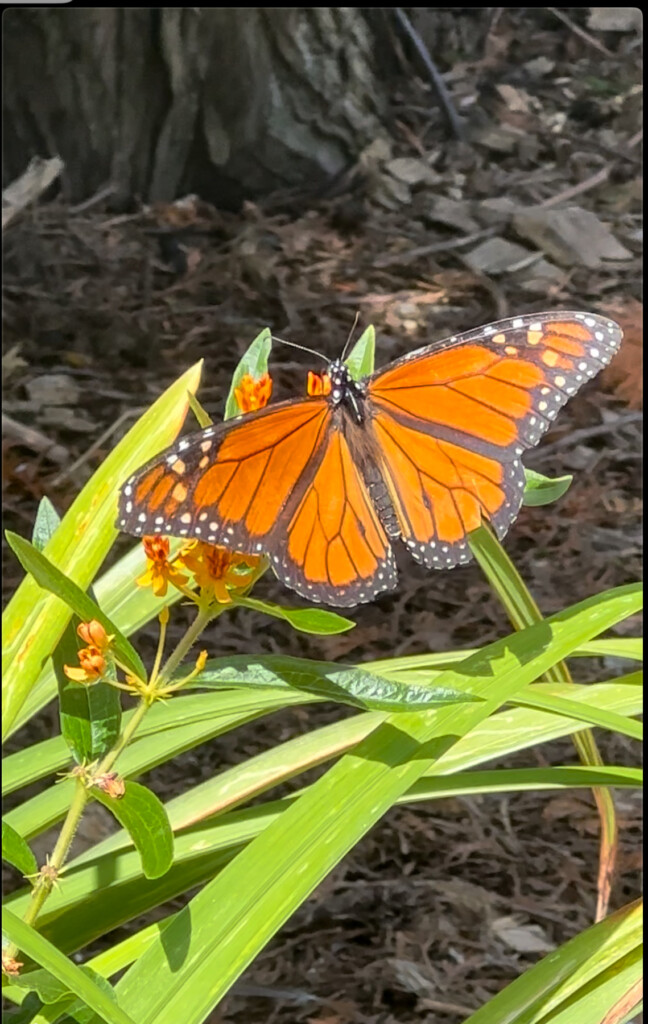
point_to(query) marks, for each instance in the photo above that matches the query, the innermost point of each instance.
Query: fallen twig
(426, 250)
(578, 31)
(452, 117)
(31, 438)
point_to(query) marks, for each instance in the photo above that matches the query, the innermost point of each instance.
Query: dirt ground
(440, 905)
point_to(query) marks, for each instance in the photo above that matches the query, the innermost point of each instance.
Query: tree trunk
(229, 103)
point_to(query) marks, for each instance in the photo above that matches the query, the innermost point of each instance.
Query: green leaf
(203, 417)
(343, 684)
(16, 851)
(543, 490)
(47, 519)
(143, 816)
(33, 621)
(56, 995)
(360, 361)
(544, 699)
(254, 362)
(306, 620)
(90, 714)
(52, 579)
(71, 977)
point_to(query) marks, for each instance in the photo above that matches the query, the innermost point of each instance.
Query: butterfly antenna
(348, 341)
(293, 344)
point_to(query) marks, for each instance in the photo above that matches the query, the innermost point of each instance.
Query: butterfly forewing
(228, 484)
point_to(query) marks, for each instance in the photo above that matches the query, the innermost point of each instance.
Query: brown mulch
(440, 905)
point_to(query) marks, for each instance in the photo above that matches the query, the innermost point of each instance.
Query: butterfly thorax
(345, 391)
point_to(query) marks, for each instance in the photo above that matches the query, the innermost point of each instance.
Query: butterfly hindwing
(335, 548)
(442, 491)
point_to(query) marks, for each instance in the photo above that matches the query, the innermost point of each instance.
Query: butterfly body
(422, 450)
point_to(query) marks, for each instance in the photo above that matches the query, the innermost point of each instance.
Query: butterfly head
(344, 389)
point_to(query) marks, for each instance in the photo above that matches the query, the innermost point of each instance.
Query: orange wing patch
(498, 389)
(441, 491)
(336, 549)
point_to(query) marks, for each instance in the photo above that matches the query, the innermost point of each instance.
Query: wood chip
(454, 213)
(570, 236)
(496, 256)
(615, 19)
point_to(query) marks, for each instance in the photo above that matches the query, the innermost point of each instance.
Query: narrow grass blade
(534, 697)
(72, 977)
(522, 611)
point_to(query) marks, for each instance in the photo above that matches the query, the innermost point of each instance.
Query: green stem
(523, 611)
(45, 881)
(203, 618)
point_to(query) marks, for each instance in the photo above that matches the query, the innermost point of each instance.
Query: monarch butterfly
(422, 449)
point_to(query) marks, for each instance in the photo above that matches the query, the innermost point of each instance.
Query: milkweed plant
(424, 728)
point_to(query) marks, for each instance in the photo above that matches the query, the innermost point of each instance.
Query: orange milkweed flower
(11, 966)
(159, 571)
(217, 570)
(318, 384)
(92, 663)
(94, 635)
(253, 394)
(110, 783)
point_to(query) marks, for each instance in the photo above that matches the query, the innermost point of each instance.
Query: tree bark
(229, 103)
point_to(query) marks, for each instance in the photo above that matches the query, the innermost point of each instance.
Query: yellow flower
(253, 394)
(217, 570)
(159, 572)
(93, 666)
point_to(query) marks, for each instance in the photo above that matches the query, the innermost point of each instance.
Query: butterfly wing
(228, 484)
(335, 548)
(450, 421)
(279, 481)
